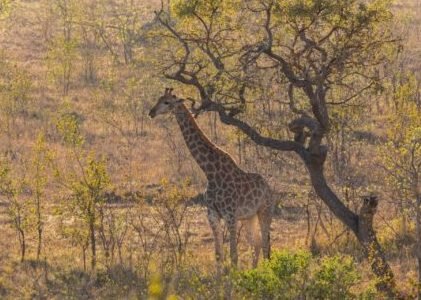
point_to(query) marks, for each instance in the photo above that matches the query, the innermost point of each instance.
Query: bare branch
(291, 102)
(253, 134)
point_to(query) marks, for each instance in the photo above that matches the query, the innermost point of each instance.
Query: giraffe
(232, 194)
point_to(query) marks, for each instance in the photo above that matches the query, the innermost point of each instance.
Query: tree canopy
(236, 53)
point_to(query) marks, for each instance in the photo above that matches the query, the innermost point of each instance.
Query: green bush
(297, 275)
(333, 278)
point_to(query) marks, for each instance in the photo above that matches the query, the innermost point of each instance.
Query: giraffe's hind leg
(265, 219)
(254, 238)
(232, 229)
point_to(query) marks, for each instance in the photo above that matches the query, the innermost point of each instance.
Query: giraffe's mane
(203, 135)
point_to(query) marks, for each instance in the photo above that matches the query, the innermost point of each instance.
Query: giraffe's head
(165, 104)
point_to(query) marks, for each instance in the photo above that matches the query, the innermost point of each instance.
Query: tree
(39, 162)
(86, 183)
(62, 49)
(121, 29)
(12, 187)
(88, 196)
(15, 88)
(236, 54)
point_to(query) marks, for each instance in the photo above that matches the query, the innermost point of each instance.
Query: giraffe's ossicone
(232, 194)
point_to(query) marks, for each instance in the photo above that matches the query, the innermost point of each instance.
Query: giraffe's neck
(210, 158)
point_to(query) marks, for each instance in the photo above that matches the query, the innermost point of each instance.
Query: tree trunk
(39, 246)
(93, 242)
(39, 227)
(22, 244)
(372, 249)
(418, 243)
(84, 257)
(361, 225)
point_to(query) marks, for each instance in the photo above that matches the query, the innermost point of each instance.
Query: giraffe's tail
(253, 231)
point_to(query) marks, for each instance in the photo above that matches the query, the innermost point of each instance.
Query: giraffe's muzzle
(152, 113)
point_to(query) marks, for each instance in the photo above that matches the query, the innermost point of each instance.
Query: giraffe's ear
(180, 100)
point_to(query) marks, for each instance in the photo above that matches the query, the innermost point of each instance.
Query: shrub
(333, 278)
(297, 275)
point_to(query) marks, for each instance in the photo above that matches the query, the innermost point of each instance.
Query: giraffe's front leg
(232, 228)
(215, 223)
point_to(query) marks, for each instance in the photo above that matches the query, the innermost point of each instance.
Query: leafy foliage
(290, 275)
(4, 8)
(15, 87)
(401, 155)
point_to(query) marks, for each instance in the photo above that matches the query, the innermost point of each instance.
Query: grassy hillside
(77, 79)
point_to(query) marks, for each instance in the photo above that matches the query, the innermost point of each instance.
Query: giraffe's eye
(166, 102)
